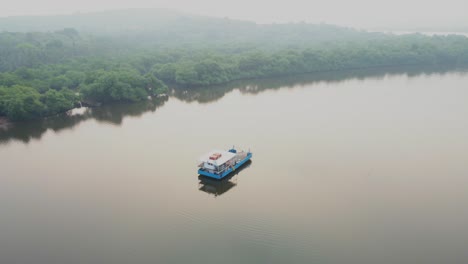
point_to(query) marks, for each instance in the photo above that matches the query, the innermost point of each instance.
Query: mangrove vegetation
(46, 70)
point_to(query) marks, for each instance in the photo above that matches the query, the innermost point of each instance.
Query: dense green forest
(98, 58)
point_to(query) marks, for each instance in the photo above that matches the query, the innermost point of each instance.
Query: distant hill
(147, 24)
(105, 21)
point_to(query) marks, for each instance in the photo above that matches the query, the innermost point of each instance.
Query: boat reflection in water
(218, 187)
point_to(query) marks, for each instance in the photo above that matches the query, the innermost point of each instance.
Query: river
(348, 167)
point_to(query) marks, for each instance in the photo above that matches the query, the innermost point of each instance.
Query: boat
(218, 187)
(218, 164)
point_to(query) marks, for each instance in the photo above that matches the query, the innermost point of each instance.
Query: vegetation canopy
(97, 57)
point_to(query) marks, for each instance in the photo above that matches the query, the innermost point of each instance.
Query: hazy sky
(357, 13)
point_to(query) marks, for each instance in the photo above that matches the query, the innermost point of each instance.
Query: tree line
(44, 73)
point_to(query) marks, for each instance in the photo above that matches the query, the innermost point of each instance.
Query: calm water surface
(351, 167)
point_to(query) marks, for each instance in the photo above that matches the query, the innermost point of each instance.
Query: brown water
(350, 167)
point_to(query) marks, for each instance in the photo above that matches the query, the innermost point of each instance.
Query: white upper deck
(225, 156)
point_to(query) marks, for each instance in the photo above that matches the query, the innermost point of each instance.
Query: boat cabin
(216, 161)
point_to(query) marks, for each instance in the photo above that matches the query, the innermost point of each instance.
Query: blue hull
(226, 172)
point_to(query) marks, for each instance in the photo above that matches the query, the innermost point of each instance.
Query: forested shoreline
(45, 73)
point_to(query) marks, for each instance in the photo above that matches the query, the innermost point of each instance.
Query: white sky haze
(356, 13)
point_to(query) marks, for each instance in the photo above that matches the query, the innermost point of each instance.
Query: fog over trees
(404, 15)
(49, 64)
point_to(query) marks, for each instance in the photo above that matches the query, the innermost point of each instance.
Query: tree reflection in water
(115, 113)
(110, 114)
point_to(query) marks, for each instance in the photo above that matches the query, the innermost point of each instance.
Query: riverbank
(49, 89)
(213, 88)
(115, 113)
